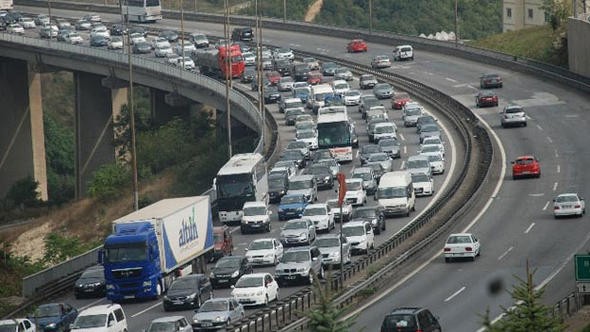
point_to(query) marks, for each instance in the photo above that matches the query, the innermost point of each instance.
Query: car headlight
(334, 254)
(195, 320)
(303, 236)
(235, 274)
(51, 325)
(147, 283)
(327, 178)
(192, 296)
(299, 209)
(219, 319)
(269, 255)
(259, 293)
(282, 192)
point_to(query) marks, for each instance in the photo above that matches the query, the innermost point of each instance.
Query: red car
(526, 166)
(357, 45)
(223, 244)
(314, 77)
(486, 98)
(273, 77)
(399, 100)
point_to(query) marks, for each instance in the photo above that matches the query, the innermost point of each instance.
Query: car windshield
(292, 155)
(455, 239)
(353, 231)
(524, 161)
(162, 327)
(306, 125)
(430, 148)
(315, 212)
(420, 177)
(260, 245)
(333, 204)
(392, 192)
(417, 163)
(278, 182)
(367, 77)
(352, 93)
(340, 86)
(378, 157)
(432, 140)
(254, 211)
(329, 242)
(295, 225)
(306, 134)
(229, 262)
(368, 149)
(400, 322)
(8, 327)
(300, 184)
(354, 185)
(434, 157)
(88, 321)
(210, 306)
(92, 274)
(429, 128)
(566, 198)
(245, 282)
(183, 283)
(48, 311)
(364, 176)
(388, 143)
(513, 110)
(364, 213)
(384, 129)
(291, 199)
(382, 86)
(297, 256)
(413, 112)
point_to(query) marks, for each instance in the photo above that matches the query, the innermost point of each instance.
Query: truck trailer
(214, 61)
(151, 246)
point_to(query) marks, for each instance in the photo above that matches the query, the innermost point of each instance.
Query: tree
(325, 316)
(557, 11)
(528, 314)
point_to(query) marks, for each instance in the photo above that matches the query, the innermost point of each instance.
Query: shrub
(108, 181)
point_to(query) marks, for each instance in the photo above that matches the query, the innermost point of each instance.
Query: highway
(519, 224)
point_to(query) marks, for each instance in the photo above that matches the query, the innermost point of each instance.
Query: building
(519, 14)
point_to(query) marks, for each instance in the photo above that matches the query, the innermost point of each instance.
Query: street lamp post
(130, 103)
(182, 32)
(259, 73)
(228, 76)
(370, 16)
(456, 23)
(284, 11)
(49, 14)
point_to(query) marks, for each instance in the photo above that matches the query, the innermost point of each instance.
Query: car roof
(101, 308)
(263, 239)
(255, 275)
(362, 170)
(568, 194)
(526, 157)
(407, 310)
(168, 319)
(252, 204)
(355, 223)
(460, 234)
(349, 180)
(316, 205)
(304, 177)
(328, 236)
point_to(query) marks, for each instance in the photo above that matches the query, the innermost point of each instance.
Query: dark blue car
(292, 206)
(54, 317)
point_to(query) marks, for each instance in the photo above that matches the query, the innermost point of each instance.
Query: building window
(509, 12)
(530, 13)
(547, 17)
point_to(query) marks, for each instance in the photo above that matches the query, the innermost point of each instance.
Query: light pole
(284, 11)
(49, 14)
(370, 16)
(130, 103)
(259, 73)
(182, 32)
(456, 23)
(341, 193)
(228, 75)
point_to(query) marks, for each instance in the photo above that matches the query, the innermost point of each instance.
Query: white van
(403, 52)
(396, 193)
(101, 318)
(256, 217)
(318, 94)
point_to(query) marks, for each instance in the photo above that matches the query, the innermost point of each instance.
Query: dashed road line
(505, 253)
(558, 169)
(549, 139)
(401, 137)
(540, 128)
(450, 79)
(529, 228)
(402, 166)
(555, 186)
(546, 206)
(455, 294)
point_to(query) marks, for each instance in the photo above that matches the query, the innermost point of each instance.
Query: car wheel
(268, 228)
(266, 301)
(348, 258)
(274, 260)
(243, 229)
(447, 260)
(383, 226)
(277, 296)
(524, 124)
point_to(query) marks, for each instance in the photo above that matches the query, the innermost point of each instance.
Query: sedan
(273, 77)
(217, 313)
(570, 204)
(381, 158)
(291, 114)
(383, 90)
(162, 52)
(329, 246)
(352, 97)
(74, 38)
(188, 292)
(343, 73)
(283, 53)
(311, 63)
(285, 83)
(169, 35)
(91, 283)
(271, 94)
(170, 323)
(357, 45)
(160, 42)
(54, 316)
(16, 28)
(429, 130)
(423, 184)
(228, 270)
(27, 23)
(322, 174)
(99, 41)
(292, 206)
(142, 48)
(47, 32)
(486, 98)
(301, 146)
(381, 61)
(490, 81)
(355, 194)
(264, 252)
(256, 289)
(399, 100)
(17, 325)
(373, 214)
(335, 207)
(513, 115)
(83, 25)
(391, 146)
(298, 232)
(314, 77)
(366, 150)
(460, 245)
(526, 166)
(310, 137)
(367, 81)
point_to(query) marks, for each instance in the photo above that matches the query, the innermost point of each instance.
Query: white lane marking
(450, 79)
(405, 149)
(556, 154)
(546, 206)
(403, 164)
(146, 309)
(529, 228)
(537, 195)
(549, 139)
(90, 304)
(455, 294)
(555, 186)
(558, 169)
(234, 229)
(357, 154)
(401, 137)
(505, 253)
(540, 128)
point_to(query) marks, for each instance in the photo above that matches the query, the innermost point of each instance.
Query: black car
(228, 270)
(372, 214)
(245, 34)
(322, 154)
(118, 30)
(171, 36)
(142, 48)
(328, 68)
(410, 319)
(278, 184)
(99, 41)
(189, 291)
(322, 174)
(283, 66)
(91, 283)
(366, 150)
(300, 71)
(294, 155)
(271, 94)
(423, 120)
(248, 75)
(136, 29)
(490, 81)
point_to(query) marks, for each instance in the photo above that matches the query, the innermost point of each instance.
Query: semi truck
(152, 246)
(214, 61)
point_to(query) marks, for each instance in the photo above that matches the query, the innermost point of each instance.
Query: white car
(17, 325)
(255, 217)
(15, 28)
(137, 38)
(403, 52)
(300, 85)
(340, 87)
(461, 245)
(302, 146)
(321, 215)
(27, 23)
(360, 236)
(437, 162)
(285, 83)
(352, 97)
(283, 53)
(162, 52)
(264, 252)
(170, 323)
(101, 318)
(346, 210)
(434, 140)
(381, 158)
(249, 58)
(343, 73)
(384, 130)
(160, 42)
(256, 289)
(308, 136)
(189, 48)
(75, 38)
(355, 194)
(569, 204)
(423, 184)
(186, 63)
(100, 30)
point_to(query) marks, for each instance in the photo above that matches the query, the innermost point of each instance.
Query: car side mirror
(232, 286)
(245, 249)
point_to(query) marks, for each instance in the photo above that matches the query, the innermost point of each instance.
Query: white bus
(242, 179)
(142, 10)
(6, 5)
(335, 132)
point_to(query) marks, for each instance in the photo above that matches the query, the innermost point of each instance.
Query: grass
(535, 43)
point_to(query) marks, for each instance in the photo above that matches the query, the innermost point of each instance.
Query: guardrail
(31, 284)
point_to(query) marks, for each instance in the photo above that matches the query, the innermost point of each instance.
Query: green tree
(23, 193)
(59, 248)
(528, 314)
(109, 181)
(325, 317)
(558, 11)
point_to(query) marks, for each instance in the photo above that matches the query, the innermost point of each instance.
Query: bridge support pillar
(167, 105)
(22, 138)
(97, 107)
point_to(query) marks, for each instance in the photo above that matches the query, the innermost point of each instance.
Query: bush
(23, 193)
(108, 181)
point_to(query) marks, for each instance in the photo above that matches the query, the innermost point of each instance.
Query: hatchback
(357, 45)
(410, 319)
(526, 166)
(513, 115)
(486, 98)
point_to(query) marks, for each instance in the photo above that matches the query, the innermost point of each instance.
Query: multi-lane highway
(518, 226)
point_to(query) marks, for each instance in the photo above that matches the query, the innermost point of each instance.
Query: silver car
(329, 245)
(381, 158)
(419, 164)
(217, 313)
(410, 114)
(297, 232)
(383, 90)
(170, 323)
(299, 265)
(429, 130)
(343, 73)
(513, 115)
